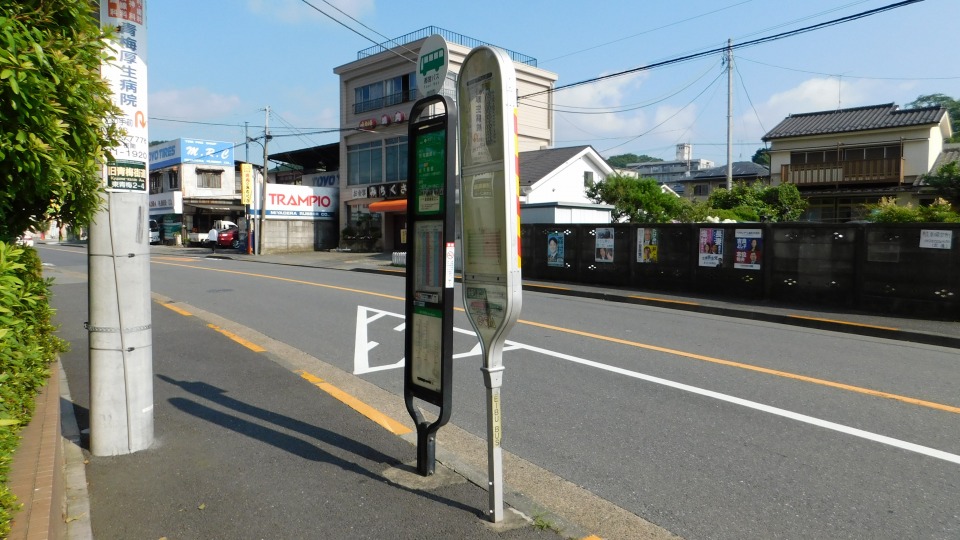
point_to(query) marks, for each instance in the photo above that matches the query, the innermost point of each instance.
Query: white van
(154, 232)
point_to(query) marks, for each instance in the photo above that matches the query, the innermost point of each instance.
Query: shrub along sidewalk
(27, 347)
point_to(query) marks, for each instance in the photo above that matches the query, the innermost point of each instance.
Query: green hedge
(27, 347)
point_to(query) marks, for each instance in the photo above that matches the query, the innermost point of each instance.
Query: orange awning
(393, 205)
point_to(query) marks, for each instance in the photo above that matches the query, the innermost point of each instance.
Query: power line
(341, 23)
(648, 31)
(742, 84)
(850, 76)
(744, 44)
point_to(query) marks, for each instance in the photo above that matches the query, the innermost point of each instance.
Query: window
(587, 179)
(207, 178)
(173, 177)
(380, 94)
(701, 190)
(156, 181)
(365, 163)
(368, 97)
(396, 159)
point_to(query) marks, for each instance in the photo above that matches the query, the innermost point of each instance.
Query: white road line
(819, 422)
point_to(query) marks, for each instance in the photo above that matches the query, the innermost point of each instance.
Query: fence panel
(662, 256)
(911, 269)
(603, 254)
(728, 259)
(814, 263)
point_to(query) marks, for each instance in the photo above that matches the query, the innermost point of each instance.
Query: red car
(229, 238)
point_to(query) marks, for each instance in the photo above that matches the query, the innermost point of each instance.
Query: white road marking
(362, 365)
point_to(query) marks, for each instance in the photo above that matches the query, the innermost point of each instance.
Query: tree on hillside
(947, 182)
(55, 114)
(941, 100)
(623, 160)
(774, 203)
(637, 200)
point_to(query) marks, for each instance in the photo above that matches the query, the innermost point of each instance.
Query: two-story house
(842, 159)
(377, 93)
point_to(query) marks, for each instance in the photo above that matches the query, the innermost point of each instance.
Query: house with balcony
(843, 159)
(377, 92)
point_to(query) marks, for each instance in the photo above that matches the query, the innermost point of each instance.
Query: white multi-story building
(377, 92)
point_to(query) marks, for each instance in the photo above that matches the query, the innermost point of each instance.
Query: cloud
(192, 103)
(297, 12)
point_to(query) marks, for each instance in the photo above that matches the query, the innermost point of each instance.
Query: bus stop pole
(493, 380)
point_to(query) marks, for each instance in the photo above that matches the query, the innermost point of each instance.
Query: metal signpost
(428, 338)
(490, 210)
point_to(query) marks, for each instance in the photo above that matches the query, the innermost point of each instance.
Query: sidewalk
(246, 447)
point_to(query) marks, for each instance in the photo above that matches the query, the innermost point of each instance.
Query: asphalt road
(707, 426)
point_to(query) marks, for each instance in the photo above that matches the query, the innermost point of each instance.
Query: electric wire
(741, 45)
(866, 77)
(341, 23)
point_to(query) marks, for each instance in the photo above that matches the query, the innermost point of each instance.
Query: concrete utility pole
(246, 142)
(729, 114)
(263, 184)
(118, 261)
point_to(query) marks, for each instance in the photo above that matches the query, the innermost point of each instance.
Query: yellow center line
(288, 280)
(683, 354)
(749, 367)
(652, 299)
(383, 420)
(547, 287)
(176, 309)
(248, 344)
(182, 259)
(844, 322)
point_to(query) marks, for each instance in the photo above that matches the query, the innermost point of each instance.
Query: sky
(214, 66)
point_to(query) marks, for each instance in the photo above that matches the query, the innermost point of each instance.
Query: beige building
(842, 159)
(377, 92)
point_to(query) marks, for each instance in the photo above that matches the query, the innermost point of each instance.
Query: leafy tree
(623, 160)
(637, 200)
(55, 114)
(761, 157)
(941, 100)
(757, 201)
(947, 182)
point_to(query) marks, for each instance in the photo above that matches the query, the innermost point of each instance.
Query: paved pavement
(251, 449)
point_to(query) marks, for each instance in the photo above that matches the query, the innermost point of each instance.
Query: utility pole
(263, 186)
(729, 114)
(118, 265)
(246, 142)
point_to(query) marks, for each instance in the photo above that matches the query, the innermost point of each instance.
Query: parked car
(230, 237)
(25, 239)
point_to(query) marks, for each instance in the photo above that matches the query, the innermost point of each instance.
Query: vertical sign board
(428, 338)
(490, 210)
(127, 76)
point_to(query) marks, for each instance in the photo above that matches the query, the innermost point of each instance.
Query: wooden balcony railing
(870, 171)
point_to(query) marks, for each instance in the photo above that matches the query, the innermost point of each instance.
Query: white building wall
(567, 184)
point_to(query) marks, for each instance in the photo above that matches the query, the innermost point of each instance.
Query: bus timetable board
(428, 337)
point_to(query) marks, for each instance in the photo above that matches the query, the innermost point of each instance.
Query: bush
(888, 211)
(27, 346)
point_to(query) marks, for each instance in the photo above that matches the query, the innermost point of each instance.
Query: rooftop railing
(451, 37)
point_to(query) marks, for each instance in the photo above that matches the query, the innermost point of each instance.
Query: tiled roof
(856, 119)
(536, 164)
(741, 169)
(950, 153)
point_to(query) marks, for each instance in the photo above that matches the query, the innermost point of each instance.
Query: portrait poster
(555, 249)
(711, 247)
(749, 249)
(603, 250)
(647, 245)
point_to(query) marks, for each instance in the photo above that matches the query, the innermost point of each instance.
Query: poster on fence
(604, 247)
(647, 244)
(749, 249)
(711, 247)
(555, 249)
